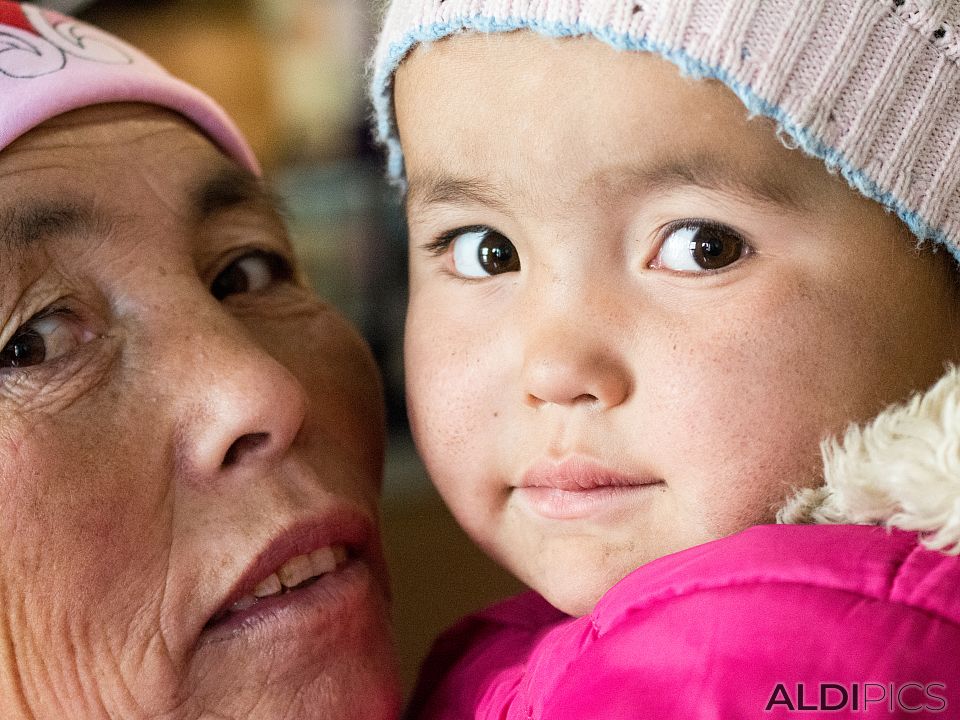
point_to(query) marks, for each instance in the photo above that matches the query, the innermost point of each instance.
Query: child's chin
(583, 568)
(573, 571)
(575, 606)
(578, 596)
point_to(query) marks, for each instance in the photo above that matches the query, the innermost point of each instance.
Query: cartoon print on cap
(35, 42)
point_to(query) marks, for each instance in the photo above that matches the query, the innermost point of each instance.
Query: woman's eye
(483, 252)
(700, 247)
(43, 339)
(251, 273)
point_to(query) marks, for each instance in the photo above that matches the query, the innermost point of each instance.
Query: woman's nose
(574, 366)
(237, 404)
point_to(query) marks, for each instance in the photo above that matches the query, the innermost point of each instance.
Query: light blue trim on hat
(689, 65)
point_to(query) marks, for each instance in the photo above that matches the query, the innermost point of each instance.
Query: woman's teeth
(293, 573)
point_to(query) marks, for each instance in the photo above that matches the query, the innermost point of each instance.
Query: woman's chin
(325, 646)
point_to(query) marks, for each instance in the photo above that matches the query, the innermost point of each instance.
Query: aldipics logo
(911, 697)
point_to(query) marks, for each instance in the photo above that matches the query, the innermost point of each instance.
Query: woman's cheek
(325, 354)
(71, 583)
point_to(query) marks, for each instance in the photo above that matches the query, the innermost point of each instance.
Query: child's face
(588, 392)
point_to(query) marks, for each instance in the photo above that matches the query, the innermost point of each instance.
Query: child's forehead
(634, 126)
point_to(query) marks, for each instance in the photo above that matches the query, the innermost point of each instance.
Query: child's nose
(568, 369)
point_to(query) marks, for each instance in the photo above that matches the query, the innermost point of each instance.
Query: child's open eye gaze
(478, 251)
(690, 246)
(699, 246)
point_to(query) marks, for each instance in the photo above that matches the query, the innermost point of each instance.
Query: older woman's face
(182, 421)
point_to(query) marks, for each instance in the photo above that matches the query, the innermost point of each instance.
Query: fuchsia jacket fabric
(756, 625)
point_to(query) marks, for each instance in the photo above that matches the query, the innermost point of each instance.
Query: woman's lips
(295, 574)
(578, 488)
(321, 562)
(318, 601)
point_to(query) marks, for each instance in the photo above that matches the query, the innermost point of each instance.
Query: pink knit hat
(871, 87)
(51, 64)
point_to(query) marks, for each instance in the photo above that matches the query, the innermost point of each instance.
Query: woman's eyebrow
(228, 187)
(27, 226)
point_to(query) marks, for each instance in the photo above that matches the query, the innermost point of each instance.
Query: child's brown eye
(482, 252)
(698, 247)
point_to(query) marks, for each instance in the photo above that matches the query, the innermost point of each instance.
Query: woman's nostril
(244, 445)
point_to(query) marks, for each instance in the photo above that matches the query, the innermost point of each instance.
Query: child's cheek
(451, 378)
(751, 392)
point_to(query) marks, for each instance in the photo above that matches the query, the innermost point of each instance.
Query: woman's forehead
(102, 141)
(94, 124)
(82, 173)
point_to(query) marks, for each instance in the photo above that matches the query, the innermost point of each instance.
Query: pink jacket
(778, 621)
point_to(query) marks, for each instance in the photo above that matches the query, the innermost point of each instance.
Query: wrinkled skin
(168, 435)
(716, 387)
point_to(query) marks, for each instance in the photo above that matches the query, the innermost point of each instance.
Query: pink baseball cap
(51, 64)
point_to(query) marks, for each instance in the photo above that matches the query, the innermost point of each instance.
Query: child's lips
(577, 488)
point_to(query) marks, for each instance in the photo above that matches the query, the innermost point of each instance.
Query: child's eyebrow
(706, 172)
(440, 189)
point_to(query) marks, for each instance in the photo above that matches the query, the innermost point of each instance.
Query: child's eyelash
(698, 224)
(442, 242)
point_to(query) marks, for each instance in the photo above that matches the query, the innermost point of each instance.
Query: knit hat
(51, 64)
(871, 87)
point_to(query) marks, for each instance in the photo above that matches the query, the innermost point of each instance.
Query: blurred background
(291, 73)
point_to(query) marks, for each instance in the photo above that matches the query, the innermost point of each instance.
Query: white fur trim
(902, 470)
